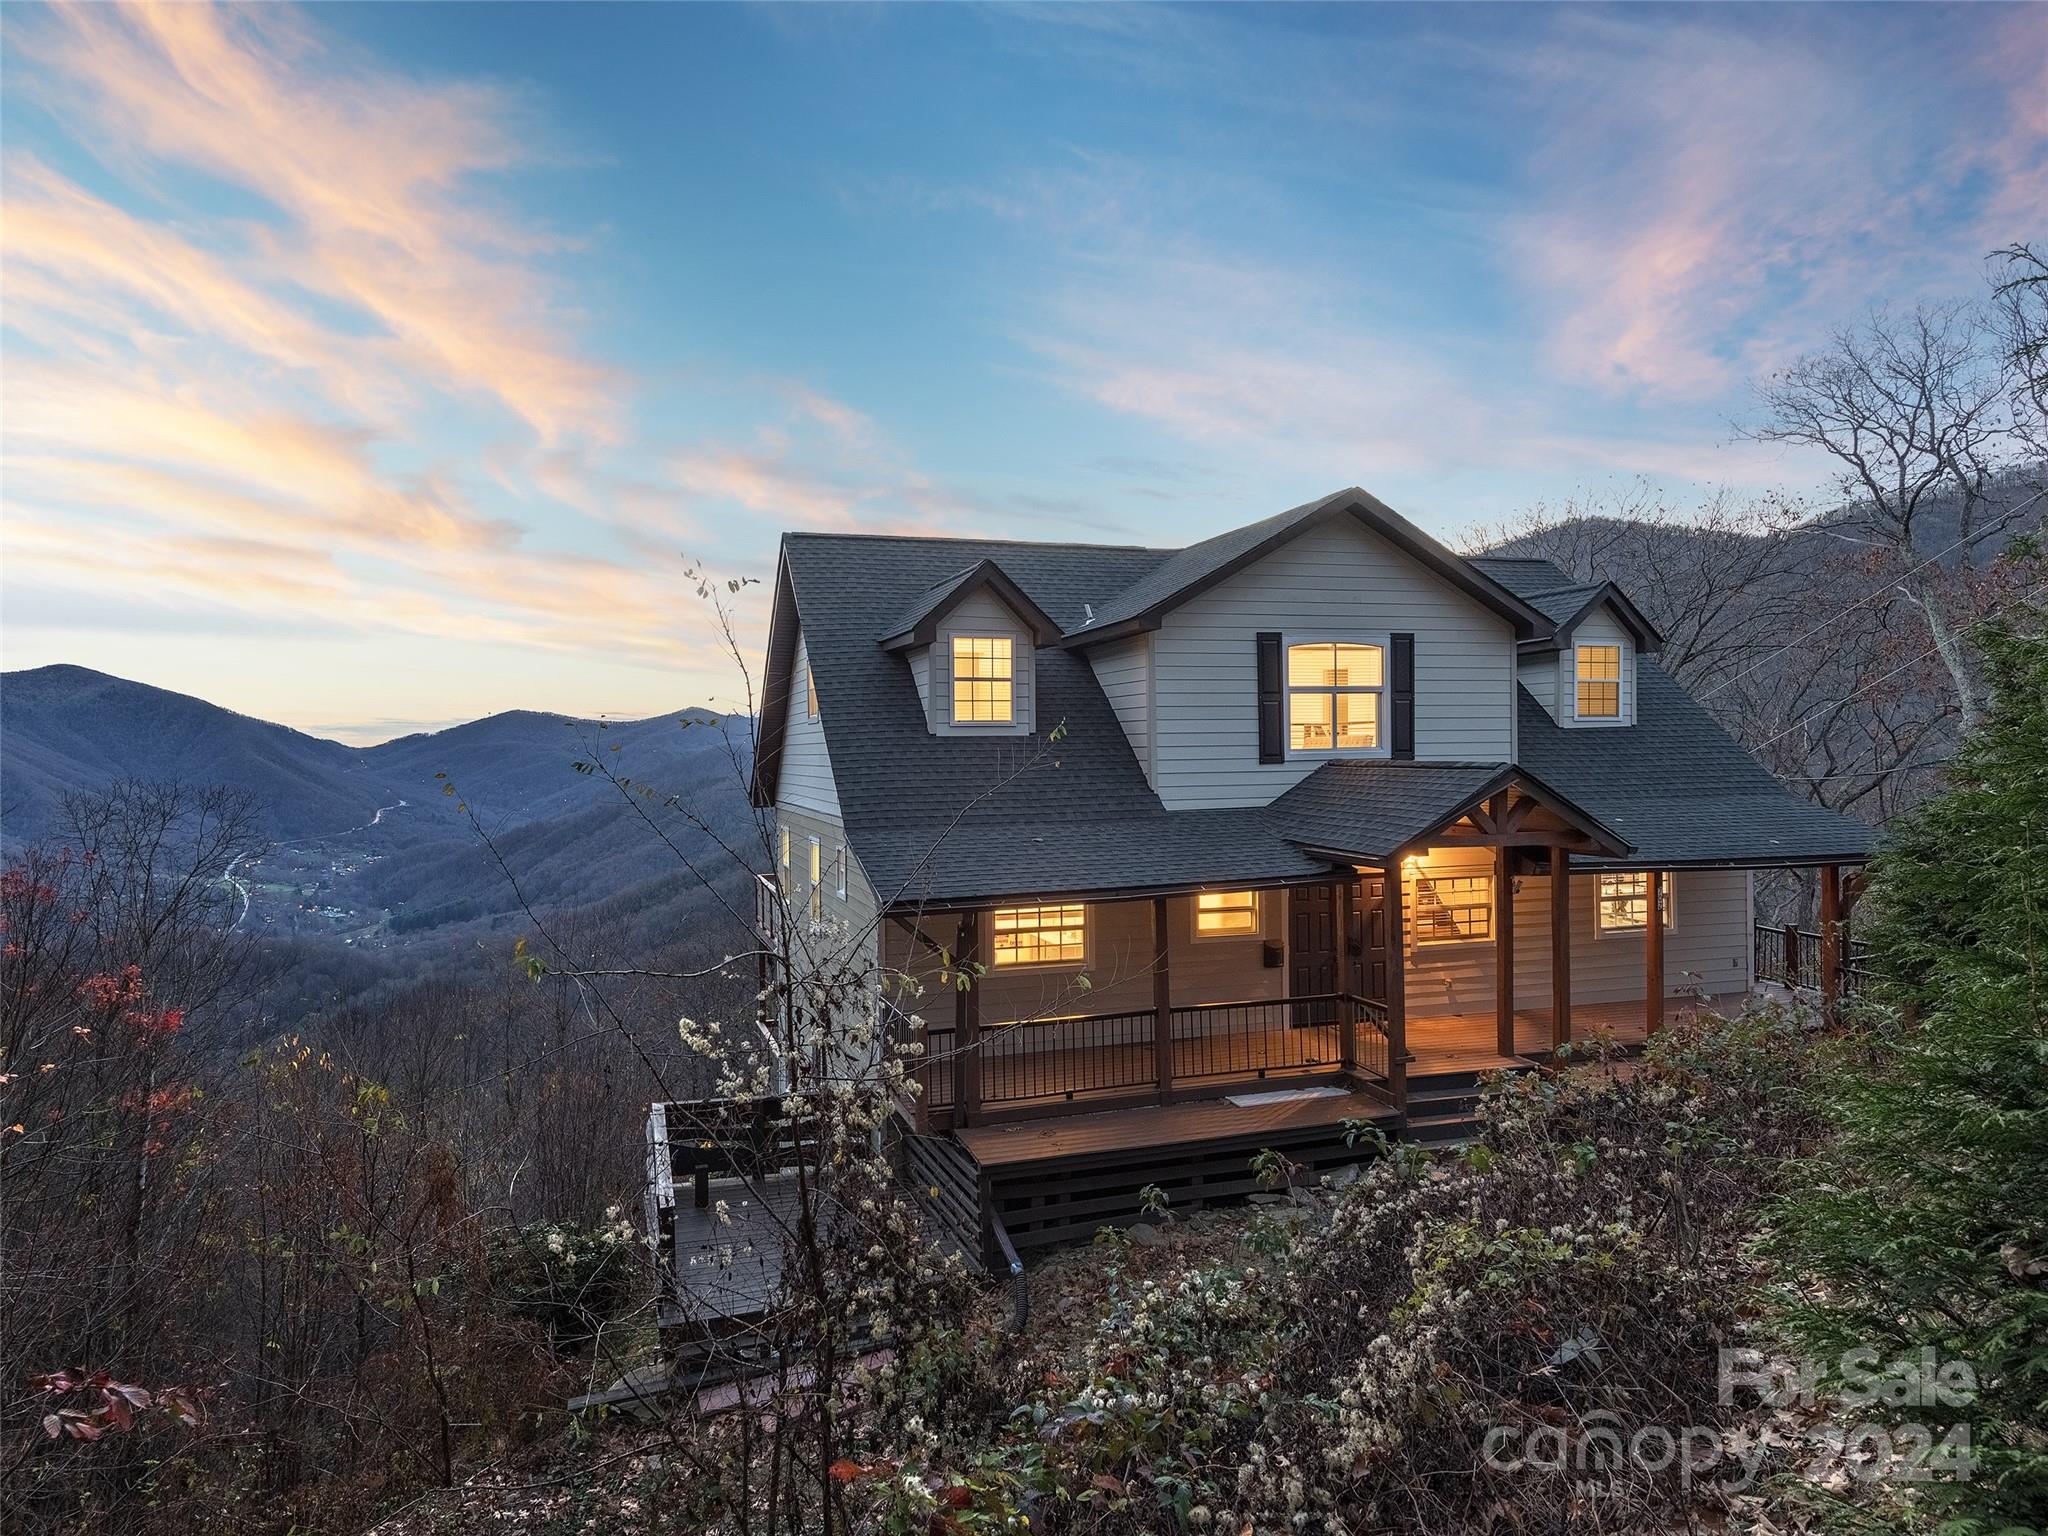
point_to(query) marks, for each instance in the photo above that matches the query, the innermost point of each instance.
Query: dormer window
(1334, 691)
(1598, 670)
(984, 680)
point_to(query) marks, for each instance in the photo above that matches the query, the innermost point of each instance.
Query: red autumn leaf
(1108, 1482)
(957, 1497)
(846, 1470)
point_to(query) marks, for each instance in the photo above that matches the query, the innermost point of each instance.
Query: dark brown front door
(1311, 940)
(1369, 938)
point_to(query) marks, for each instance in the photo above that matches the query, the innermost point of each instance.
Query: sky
(373, 368)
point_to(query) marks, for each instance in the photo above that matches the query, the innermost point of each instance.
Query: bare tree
(1715, 579)
(2020, 296)
(1914, 408)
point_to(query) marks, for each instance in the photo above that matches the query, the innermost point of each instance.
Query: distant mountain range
(333, 867)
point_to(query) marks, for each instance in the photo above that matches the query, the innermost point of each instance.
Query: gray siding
(981, 614)
(844, 933)
(1124, 668)
(1119, 968)
(1340, 578)
(1706, 946)
(804, 780)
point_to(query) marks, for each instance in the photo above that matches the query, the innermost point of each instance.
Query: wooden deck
(1467, 1042)
(732, 1269)
(1165, 1125)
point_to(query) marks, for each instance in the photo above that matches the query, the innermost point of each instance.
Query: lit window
(1599, 674)
(1224, 914)
(1333, 697)
(839, 872)
(983, 679)
(1041, 935)
(1453, 909)
(1625, 902)
(810, 694)
(817, 879)
(785, 847)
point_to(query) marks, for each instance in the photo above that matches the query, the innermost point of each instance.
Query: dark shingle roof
(1679, 788)
(1372, 808)
(1563, 602)
(954, 818)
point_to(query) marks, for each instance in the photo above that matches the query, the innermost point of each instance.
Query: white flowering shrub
(569, 1278)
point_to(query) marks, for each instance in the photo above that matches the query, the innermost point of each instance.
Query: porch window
(1333, 696)
(984, 680)
(1056, 935)
(1226, 914)
(1453, 909)
(1625, 902)
(1599, 675)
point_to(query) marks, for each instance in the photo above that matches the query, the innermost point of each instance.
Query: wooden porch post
(967, 1026)
(1347, 1006)
(1162, 1003)
(1653, 954)
(1504, 950)
(1560, 948)
(1830, 941)
(1392, 896)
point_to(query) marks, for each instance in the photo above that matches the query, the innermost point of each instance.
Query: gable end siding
(805, 780)
(1341, 579)
(1124, 669)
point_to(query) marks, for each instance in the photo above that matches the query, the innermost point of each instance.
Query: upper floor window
(810, 694)
(1598, 669)
(1453, 909)
(817, 881)
(984, 680)
(1054, 935)
(785, 845)
(1625, 902)
(1226, 914)
(839, 872)
(1333, 696)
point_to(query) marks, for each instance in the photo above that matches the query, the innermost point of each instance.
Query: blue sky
(371, 368)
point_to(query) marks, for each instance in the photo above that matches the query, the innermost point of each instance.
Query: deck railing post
(1653, 954)
(1391, 897)
(1830, 941)
(1503, 951)
(1791, 957)
(1560, 948)
(967, 1024)
(1162, 1003)
(1347, 1007)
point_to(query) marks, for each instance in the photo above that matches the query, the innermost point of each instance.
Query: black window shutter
(1404, 696)
(1272, 702)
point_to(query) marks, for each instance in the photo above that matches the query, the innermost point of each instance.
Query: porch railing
(1790, 956)
(1115, 1055)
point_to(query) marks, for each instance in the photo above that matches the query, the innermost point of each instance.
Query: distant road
(242, 886)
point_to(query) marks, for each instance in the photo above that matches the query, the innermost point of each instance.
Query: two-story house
(1299, 826)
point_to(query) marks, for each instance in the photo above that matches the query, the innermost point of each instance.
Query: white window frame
(1063, 964)
(1484, 879)
(1669, 892)
(1624, 653)
(952, 638)
(839, 871)
(1384, 640)
(785, 847)
(1258, 911)
(817, 878)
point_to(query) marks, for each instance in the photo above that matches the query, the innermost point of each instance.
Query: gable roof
(1066, 810)
(919, 624)
(1189, 572)
(1569, 607)
(1371, 810)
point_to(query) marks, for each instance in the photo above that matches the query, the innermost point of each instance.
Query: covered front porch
(1516, 930)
